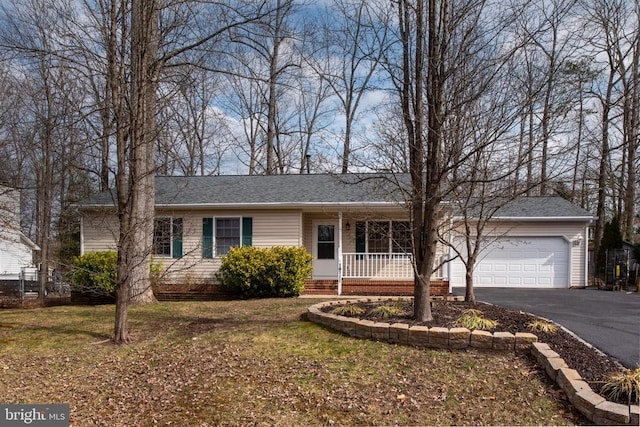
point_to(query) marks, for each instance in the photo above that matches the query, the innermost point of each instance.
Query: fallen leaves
(267, 369)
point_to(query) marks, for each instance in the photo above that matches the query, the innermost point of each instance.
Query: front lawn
(256, 362)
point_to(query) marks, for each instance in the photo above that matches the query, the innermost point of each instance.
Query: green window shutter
(177, 238)
(207, 237)
(361, 238)
(247, 231)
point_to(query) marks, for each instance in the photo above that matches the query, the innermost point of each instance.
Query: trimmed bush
(252, 272)
(95, 273)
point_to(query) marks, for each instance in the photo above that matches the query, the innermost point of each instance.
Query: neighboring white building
(16, 249)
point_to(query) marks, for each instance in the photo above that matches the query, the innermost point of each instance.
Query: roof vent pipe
(308, 158)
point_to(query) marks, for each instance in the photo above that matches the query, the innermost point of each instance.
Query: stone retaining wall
(595, 407)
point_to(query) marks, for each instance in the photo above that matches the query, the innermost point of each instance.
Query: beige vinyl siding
(270, 228)
(100, 231)
(572, 232)
(277, 228)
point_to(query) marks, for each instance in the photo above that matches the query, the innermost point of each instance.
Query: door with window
(325, 250)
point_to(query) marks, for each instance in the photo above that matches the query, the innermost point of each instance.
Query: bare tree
(453, 54)
(193, 134)
(631, 122)
(353, 40)
(611, 21)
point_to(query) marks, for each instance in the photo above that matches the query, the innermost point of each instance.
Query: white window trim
(153, 252)
(214, 237)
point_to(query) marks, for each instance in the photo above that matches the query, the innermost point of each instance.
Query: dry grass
(348, 310)
(472, 319)
(623, 386)
(542, 326)
(386, 311)
(256, 362)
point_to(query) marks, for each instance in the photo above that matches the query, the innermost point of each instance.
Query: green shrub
(95, 273)
(156, 271)
(254, 272)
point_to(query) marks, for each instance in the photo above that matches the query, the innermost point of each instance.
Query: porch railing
(376, 265)
(383, 266)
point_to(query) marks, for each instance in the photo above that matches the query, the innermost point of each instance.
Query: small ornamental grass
(386, 311)
(623, 386)
(348, 310)
(472, 319)
(542, 326)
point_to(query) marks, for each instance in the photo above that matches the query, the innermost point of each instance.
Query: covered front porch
(363, 253)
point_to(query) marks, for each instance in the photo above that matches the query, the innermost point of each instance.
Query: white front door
(325, 250)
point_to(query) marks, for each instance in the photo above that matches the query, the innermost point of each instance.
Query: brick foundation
(320, 287)
(211, 291)
(189, 292)
(371, 287)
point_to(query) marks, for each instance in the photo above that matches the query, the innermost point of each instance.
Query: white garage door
(519, 262)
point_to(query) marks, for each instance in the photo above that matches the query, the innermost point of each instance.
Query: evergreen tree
(611, 239)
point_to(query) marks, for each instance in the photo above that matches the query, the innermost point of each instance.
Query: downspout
(585, 270)
(340, 253)
(82, 235)
(449, 255)
(570, 264)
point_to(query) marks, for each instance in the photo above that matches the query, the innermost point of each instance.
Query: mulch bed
(593, 366)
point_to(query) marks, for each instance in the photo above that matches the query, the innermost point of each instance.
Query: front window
(378, 237)
(401, 237)
(162, 237)
(385, 237)
(227, 234)
(326, 241)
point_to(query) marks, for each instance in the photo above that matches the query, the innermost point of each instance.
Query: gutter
(541, 218)
(271, 205)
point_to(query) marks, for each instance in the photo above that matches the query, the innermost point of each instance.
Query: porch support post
(340, 253)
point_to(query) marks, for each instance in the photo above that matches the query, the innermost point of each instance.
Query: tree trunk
(346, 152)
(273, 76)
(136, 177)
(604, 156)
(45, 183)
(632, 123)
(469, 294)
(121, 327)
(144, 81)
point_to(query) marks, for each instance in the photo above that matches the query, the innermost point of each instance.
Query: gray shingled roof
(301, 190)
(271, 189)
(541, 207)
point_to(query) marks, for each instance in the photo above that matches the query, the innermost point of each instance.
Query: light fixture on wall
(347, 226)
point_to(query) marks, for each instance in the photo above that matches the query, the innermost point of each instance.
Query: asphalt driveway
(610, 321)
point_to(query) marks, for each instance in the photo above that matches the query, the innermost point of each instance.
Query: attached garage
(532, 242)
(519, 262)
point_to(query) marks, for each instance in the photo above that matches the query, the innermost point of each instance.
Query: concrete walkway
(610, 321)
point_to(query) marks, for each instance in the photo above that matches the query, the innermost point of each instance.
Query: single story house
(356, 227)
(16, 249)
